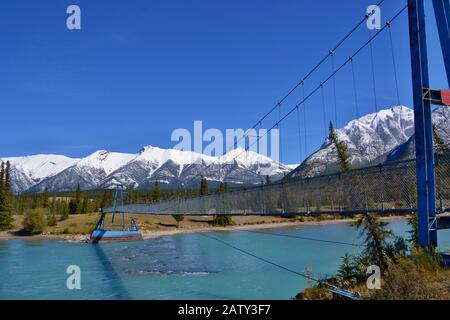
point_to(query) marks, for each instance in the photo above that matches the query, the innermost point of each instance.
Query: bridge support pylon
(425, 170)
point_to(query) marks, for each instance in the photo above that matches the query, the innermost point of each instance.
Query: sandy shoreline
(12, 235)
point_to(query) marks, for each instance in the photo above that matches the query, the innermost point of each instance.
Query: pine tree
(64, 210)
(221, 187)
(413, 222)
(376, 238)
(78, 199)
(73, 208)
(203, 186)
(51, 218)
(222, 220)
(441, 146)
(45, 199)
(6, 218)
(104, 200)
(341, 148)
(156, 194)
(8, 176)
(84, 205)
(268, 180)
(348, 271)
(2, 174)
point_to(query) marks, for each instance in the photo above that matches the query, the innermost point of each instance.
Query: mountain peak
(367, 138)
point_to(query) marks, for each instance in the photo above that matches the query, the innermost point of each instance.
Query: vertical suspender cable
(304, 121)
(323, 110)
(373, 75)
(394, 62)
(299, 133)
(354, 87)
(334, 91)
(280, 137)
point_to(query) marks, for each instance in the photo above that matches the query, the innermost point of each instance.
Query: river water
(185, 266)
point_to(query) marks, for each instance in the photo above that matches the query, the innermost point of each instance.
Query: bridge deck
(387, 189)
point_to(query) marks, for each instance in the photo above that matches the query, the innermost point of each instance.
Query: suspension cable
(307, 97)
(306, 238)
(336, 71)
(301, 82)
(304, 275)
(322, 61)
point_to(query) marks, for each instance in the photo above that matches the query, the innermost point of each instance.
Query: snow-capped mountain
(88, 172)
(184, 168)
(30, 170)
(368, 139)
(173, 168)
(441, 121)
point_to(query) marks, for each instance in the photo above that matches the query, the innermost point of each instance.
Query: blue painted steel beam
(426, 189)
(442, 14)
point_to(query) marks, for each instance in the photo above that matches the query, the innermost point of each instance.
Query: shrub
(178, 219)
(223, 221)
(317, 292)
(405, 281)
(51, 219)
(35, 221)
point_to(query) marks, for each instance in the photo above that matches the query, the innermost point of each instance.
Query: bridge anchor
(122, 234)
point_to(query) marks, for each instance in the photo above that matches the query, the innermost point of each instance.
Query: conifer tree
(64, 211)
(6, 218)
(78, 199)
(268, 180)
(73, 208)
(104, 200)
(45, 199)
(156, 194)
(441, 146)
(222, 220)
(203, 186)
(8, 176)
(341, 148)
(221, 187)
(84, 205)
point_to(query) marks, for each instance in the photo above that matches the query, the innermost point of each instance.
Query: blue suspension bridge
(421, 184)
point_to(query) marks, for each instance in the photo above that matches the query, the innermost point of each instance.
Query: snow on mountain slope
(42, 165)
(106, 161)
(254, 161)
(29, 170)
(367, 138)
(178, 168)
(405, 151)
(88, 172)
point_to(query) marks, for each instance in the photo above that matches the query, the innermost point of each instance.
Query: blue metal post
(442, 14)
(122, 207)
(115, 207)
(426, 189)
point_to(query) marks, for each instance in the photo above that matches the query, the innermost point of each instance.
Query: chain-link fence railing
(389, 188)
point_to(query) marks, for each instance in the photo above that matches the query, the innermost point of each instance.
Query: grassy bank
(83, 224)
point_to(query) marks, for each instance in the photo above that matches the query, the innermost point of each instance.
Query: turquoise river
(184, 266)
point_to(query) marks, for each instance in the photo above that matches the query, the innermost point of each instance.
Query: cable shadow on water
(117, 284)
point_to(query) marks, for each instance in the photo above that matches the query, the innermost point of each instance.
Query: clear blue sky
(140, 69)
